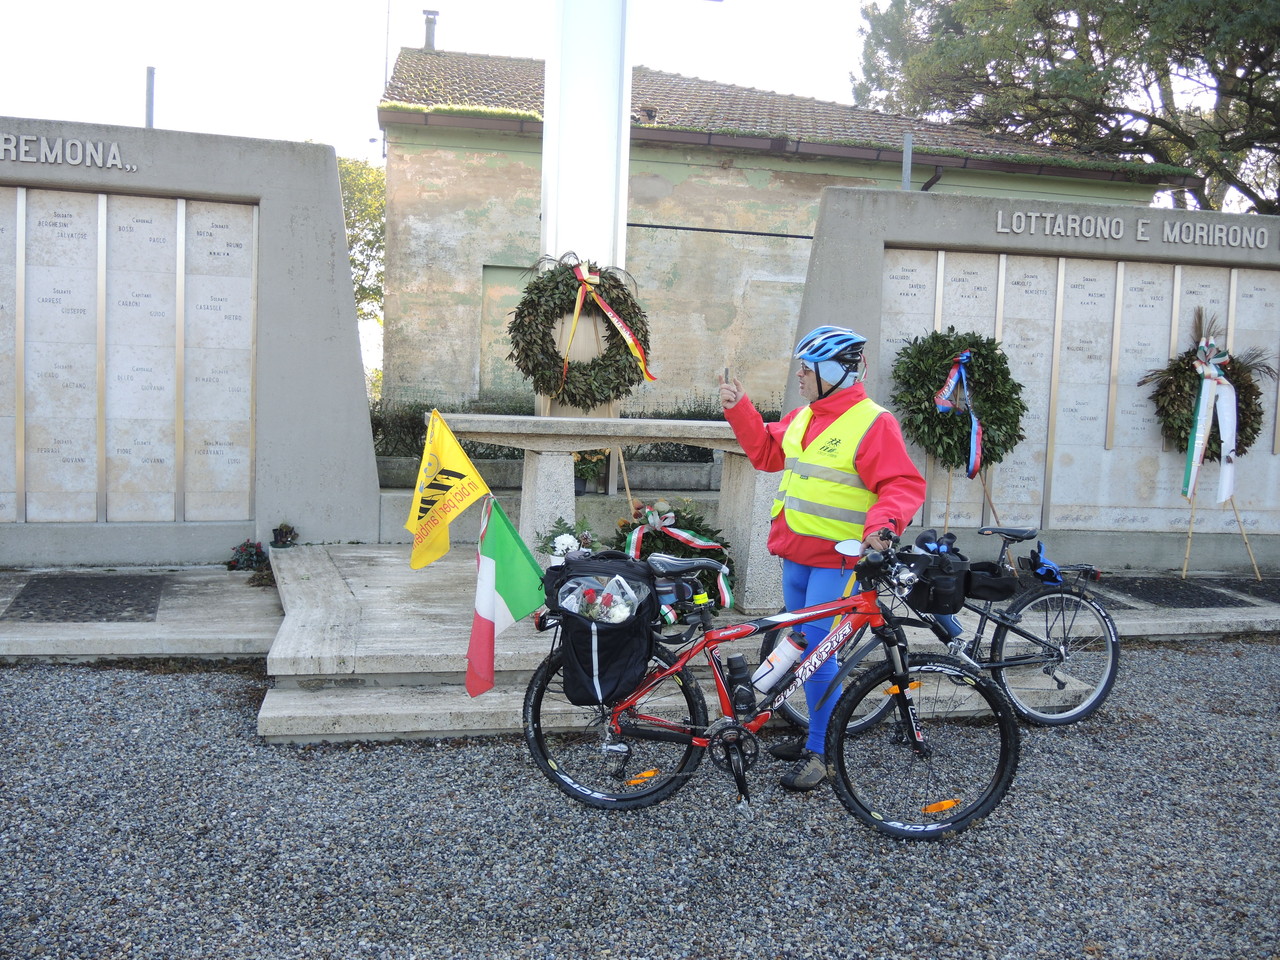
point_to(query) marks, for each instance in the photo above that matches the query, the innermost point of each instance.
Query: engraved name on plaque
(61, 388)
(907, 291)
(141, 365)
(219, 361)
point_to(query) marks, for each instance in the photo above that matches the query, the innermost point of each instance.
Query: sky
(289, 70)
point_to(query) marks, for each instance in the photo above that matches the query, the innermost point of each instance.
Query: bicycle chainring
(731, 738)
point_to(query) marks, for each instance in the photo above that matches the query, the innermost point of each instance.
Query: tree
(364, 206)
(1183, 82)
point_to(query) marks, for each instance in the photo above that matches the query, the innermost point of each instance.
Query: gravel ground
(140, 817)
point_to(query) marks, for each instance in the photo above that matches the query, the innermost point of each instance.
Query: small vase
(579, 486)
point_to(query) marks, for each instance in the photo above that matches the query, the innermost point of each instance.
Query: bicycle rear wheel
(970, 751)
(1066, 677)
(575, 749)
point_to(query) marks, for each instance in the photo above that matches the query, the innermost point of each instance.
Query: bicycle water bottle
(789, 649)
(744, 697)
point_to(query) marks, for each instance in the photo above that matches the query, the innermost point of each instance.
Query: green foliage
(364, 207)
(1170, 81)
(550, 295)
(579, 531)
(400, 427)
(686, 518)
(1177, 386)
(919, 373)
(247, 556)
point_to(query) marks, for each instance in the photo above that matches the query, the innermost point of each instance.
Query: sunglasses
(805, 368)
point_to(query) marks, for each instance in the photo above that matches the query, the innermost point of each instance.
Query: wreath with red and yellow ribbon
(571, 288)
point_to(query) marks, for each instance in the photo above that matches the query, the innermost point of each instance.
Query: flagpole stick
(946, 519)
(626, 484)
(1256, 574)
(995, 515)
(1191, 529)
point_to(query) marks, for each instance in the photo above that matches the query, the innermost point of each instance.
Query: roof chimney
(431, 15)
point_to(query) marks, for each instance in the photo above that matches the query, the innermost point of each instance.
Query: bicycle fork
(900, 690)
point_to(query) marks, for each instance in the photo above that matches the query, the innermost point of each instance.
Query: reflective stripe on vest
(820, 488)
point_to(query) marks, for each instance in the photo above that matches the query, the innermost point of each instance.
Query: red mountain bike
(920, 747)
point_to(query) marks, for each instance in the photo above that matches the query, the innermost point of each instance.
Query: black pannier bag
(941, 587)
(607, 604)
(989, 581)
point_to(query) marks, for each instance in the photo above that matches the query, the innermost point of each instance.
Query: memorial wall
(139, 311)
(1085, 302)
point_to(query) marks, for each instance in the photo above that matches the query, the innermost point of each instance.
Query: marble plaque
(62, 381)
(61, 469)
(219, 239)
(142, 235)
(969, 291)
(907, 291)
(8, 470)
(954, 499)
(219, 384)
(1082, 416)
(62, 230)
(1030, 288)
(1257, 305)
(141, 469)
(1209, 289)
(217, 482)
(141, 383)
(219, 313)
(61, 304)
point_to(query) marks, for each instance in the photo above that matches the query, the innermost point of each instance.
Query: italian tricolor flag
(508, 588)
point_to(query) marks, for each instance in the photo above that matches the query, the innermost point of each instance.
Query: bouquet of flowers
(612, 602)
(564, 538)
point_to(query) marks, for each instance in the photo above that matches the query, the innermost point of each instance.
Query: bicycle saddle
(1010, 533)
(665, 566)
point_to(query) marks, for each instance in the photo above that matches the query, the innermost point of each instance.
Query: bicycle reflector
(940, 806)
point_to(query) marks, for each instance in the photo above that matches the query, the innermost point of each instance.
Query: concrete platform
(360, 646)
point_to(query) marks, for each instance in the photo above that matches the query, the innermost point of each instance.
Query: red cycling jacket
(881, 461)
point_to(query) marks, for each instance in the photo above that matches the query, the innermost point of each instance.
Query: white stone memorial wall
(127, 331)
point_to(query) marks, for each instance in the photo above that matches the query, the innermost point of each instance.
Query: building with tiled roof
(723, 198)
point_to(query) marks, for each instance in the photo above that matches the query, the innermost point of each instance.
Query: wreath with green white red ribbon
(1178, 384)
(572, 288)
(677, 531)
(958, 373)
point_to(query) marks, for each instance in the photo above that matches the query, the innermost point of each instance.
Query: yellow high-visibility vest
(820, 487)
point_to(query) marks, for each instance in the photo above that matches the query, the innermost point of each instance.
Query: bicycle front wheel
(575, 749)
(956, 775)
(1065, 674)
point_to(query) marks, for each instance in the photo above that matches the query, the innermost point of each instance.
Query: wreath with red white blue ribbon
(965, 374)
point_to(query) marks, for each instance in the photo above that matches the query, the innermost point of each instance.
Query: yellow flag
(447, 484)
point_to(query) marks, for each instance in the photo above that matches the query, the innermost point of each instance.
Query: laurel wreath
(919, 373)
(548, 297)
(688, 518)
(1177, 385)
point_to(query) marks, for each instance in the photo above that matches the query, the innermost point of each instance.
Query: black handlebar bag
(940, 589)
(607, 604)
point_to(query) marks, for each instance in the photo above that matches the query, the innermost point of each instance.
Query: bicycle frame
(854, 612)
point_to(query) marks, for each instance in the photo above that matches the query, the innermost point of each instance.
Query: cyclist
(845, 472)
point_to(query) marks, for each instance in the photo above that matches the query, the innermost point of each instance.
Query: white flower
(617, 613)
(563, 544)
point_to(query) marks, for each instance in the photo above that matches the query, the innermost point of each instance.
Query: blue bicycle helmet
(836, 354)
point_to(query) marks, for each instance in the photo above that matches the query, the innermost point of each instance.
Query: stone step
(388, 713)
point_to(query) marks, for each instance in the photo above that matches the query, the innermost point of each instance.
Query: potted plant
(588, 465)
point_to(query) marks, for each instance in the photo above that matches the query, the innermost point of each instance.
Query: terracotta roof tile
(436, 79)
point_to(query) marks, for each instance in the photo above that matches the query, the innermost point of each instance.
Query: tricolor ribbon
(943, 402)
(588, 280)
(665, 523)
(1215, 391)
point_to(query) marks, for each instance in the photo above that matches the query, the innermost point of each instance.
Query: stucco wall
(718, 245)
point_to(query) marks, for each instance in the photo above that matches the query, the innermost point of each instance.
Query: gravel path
(140, 817)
